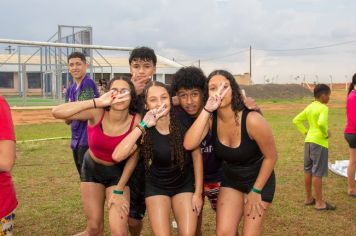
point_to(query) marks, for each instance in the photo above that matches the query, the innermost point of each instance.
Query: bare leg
(117, 221)
(229, 211)
(308, 187)
(318, 189)
(159, 208)
(254, 226)
(93, 198)
(351, 172)
(184, 214)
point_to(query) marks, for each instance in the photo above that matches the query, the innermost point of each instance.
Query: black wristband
(207, 110)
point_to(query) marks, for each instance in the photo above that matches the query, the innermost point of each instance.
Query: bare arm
(85, 110)
(259, 130)
(127, 146)
(128, 170)
(201, 125)
(197, 199)
(7, 155)
(198, 170)
(81, 110)
(196, 133)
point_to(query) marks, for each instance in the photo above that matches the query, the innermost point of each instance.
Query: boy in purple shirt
(83, 88)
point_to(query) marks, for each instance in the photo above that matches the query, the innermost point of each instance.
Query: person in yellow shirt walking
(316, 146)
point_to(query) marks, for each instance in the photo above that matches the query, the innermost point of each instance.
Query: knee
(224, 231)
(118, 233)
(187, 232)
(94, 228)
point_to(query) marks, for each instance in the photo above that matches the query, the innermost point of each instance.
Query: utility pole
(199, 63)
(9, 49)
(250, 63)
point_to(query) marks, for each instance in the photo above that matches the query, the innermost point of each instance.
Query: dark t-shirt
(212, 165)
(164, 172)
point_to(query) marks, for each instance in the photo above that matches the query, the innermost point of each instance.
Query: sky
(290, 40)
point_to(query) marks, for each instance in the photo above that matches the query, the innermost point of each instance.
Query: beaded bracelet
(141, 128)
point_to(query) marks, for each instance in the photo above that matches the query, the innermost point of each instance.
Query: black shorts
(153, 190)
(98, 173)
(351, 140)
(78, 155)
(185, 184)
(242, 178)
(137, 192)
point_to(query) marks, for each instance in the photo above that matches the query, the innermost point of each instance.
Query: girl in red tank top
(111, 118)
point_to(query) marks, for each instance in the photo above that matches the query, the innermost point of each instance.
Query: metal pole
(59, 67)
(19, 70)
(250, 63)
(91, 52)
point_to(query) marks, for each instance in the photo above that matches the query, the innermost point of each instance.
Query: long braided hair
(237, 102)
(176, 135)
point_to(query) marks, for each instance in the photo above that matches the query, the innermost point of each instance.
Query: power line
(227, 55)
(307, 48)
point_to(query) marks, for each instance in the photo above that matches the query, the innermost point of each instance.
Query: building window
(34, 80)
(168, 78)
(6, 79)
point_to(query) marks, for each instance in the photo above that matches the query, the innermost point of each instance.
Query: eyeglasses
(122, 91)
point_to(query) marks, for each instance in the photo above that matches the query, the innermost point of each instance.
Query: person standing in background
(8, 201)
(350, 136)
(316, 146)
(142, 62)
(82, 89)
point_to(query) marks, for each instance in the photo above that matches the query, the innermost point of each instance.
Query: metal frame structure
(50, 59)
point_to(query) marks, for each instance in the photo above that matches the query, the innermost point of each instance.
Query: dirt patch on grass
(277, 91)
(32, 116)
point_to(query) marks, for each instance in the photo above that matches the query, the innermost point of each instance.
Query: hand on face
(112, 97)
(140, 82)
(215, 99)
(153, 115)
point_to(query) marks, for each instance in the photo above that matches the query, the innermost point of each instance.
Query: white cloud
(205, 29)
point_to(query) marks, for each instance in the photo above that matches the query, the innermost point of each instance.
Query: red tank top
(102, 145)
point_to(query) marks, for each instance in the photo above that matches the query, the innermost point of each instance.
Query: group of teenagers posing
(143, 145)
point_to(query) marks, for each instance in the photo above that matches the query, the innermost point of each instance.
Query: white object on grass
(339, 168)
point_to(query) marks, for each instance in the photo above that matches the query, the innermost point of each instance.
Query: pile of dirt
(276, 91)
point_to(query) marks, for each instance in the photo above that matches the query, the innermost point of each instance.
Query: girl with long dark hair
(174, 176)
(244, 141)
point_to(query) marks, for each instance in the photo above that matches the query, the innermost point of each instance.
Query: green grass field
(47, 184)
(31, 101)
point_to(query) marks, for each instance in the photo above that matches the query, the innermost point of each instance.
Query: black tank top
(246, 154)
(164, 172)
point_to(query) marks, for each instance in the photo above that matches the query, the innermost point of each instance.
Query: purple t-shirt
(86, 90)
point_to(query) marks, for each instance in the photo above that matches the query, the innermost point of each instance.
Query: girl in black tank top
(174, 176)
(248, 182)
(245, 154)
